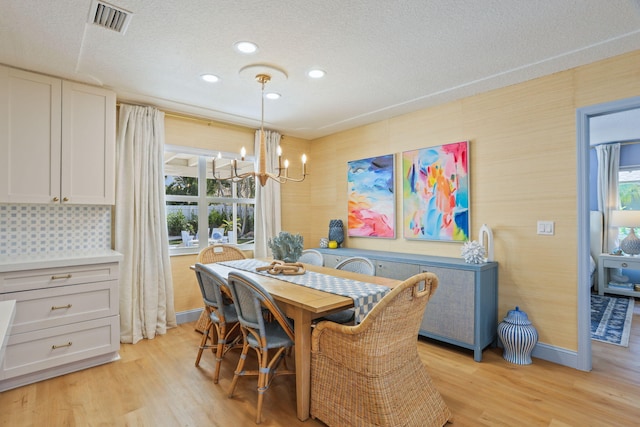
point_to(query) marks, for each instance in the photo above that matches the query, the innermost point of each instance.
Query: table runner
(365, 295)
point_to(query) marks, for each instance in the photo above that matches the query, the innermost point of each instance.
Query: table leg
(302, 325)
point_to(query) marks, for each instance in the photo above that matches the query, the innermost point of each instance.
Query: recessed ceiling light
(316, 73)
(272, 95)
(209, 78)
(246, 47)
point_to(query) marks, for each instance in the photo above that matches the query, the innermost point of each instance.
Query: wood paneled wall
(522, 169)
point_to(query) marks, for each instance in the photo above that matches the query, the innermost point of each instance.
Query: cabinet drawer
(62, 305)
(14, 281)
(622, 263)
(396, 270)
(51, 347)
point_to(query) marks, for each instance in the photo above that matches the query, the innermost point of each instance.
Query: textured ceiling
(383, 58)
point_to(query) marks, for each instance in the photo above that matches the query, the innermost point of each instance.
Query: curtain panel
(267, 212)
(608, 166)
(146, 286)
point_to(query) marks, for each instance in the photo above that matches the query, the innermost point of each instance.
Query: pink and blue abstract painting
(435, 189)
(371, 197)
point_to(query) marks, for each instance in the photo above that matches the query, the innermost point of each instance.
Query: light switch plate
(546, 228)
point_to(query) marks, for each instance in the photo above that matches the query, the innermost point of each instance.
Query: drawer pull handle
(53, 347)
(60, 307)
(64, 276)
(624, 264)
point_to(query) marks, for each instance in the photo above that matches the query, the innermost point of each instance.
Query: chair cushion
(230, 314)
(276, 336)
(344, 316)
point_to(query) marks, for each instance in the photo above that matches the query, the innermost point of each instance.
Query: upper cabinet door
(88, 144)
(30, 137)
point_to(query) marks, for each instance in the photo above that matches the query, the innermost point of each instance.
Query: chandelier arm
(262, 175)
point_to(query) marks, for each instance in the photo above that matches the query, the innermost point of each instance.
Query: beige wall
(522, 167)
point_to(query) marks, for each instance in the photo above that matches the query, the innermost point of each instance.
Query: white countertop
(57, 259)
(7, 311)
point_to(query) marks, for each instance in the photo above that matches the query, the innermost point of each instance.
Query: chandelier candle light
(262, 175)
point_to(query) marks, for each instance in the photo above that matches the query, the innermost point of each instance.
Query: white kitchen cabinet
(57, 140)
(66, 316)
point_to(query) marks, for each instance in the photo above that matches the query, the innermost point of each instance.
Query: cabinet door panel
(30, 137)
(88, 151)
(396, 270)
(450, 312)
(332, 260)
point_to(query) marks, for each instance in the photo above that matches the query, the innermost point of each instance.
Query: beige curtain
(608, 166)
(267, 212)
(146, 287)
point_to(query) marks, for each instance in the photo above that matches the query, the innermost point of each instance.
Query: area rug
(611, 319)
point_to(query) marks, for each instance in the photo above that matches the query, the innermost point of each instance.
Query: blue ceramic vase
(518, 337)
(336, 231)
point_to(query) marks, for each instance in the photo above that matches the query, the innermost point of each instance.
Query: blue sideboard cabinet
(464, 309)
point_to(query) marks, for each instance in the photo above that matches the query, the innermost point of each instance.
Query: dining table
(303, 304)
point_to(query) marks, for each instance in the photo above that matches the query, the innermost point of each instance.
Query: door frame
(583, 115)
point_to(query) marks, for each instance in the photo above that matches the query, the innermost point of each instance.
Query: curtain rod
(209, 122)
(625, 142)
(182, 116)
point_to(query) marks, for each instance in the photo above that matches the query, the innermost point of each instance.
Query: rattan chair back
(209, 255)
(218, 253)
(371, 373)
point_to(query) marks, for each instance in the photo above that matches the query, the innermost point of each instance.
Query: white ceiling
(382, 57)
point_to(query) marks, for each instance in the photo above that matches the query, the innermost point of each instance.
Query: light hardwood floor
(156, 384)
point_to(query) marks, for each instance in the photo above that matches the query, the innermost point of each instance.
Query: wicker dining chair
(357, 265)
(371, 374)
(270, 339)
(311, 256)
(209, 255)
(218, 253)
(222, 316)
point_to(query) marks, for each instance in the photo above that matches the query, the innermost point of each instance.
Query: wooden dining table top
(312, 300)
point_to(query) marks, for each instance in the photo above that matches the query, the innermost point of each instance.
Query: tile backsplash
(37, 229)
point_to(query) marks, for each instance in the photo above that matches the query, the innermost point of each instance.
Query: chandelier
(262, 175)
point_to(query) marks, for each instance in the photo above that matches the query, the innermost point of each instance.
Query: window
(629, 193)
(195, 201)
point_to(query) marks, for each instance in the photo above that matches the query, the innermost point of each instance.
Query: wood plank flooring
(156, 384)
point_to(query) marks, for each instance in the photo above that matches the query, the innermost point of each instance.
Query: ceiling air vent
(108, 16)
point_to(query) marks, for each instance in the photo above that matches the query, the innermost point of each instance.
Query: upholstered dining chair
(269, 338)
(357, 265)
(222, 317)
(371, 374)
(209, 255)
(311, 256)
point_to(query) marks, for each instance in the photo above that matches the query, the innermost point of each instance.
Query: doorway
(583, 118)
